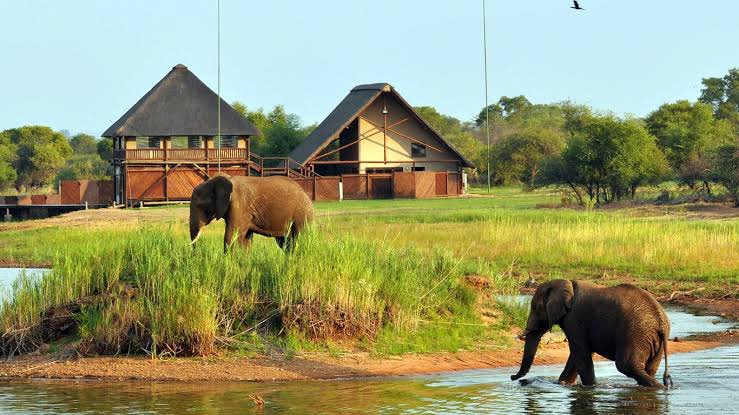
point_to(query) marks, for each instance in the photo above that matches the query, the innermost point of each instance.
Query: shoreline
(321, 366)
(65, 365)
(303, 367)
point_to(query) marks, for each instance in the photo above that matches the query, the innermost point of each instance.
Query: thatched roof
(180, 104)
(358, 99)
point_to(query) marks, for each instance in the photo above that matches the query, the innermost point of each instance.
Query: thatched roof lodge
(166, 143)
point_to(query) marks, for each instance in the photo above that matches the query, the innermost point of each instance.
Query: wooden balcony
(181, 154)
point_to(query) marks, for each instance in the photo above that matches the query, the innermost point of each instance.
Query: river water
(706, 381)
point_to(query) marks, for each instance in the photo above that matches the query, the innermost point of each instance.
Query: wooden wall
(409, 185)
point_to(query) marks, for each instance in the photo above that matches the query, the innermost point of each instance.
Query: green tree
(7, 157)
(687, 132)
(283, 132)
(85, 167)
(280, 131)
(519, 156)
(104, 149)
(460, 135)
(522, 135)
(40, 153)
(725, 168)
(607, 159)
(722, 94)
(240, 107)
(505, 108)
(83, 144)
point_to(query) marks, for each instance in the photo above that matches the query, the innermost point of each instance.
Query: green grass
(504, 232)
(152, 293)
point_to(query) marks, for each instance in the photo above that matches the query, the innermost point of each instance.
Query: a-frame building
(374, 130)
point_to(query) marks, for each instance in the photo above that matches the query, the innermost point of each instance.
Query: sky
(80, 64)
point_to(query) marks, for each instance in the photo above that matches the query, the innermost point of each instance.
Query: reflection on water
(705, 382)
(8, 275)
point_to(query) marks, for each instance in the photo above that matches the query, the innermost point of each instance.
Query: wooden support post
(166, 180)
(384, 126)
(127, 186)
(315, 196)
(166, 168)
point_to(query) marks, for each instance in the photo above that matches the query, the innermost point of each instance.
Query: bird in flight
(576, 6)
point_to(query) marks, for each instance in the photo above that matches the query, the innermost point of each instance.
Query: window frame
(418, 150)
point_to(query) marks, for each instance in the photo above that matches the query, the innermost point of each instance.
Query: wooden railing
(182, 154)
(280, 166)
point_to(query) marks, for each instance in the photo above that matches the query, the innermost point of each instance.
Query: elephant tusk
(196, 237)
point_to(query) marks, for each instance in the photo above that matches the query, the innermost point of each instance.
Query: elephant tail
(666, 378)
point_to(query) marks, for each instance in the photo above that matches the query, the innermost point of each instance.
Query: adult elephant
(622, 323)
(271, 206)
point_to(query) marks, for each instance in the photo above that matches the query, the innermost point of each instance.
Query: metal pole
(219, 86)
(487, 109)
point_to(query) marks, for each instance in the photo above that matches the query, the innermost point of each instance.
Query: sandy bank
(306, 366)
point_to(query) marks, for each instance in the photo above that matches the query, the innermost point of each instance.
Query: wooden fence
(408, 185)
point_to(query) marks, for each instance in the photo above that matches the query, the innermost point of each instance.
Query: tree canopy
(281, 131)
(39, 154)
(687, 133)
(83, 144)
(606, 159)
(722, 94)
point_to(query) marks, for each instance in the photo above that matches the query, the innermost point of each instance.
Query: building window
(192, 141)
(227, 141)
(148, 142)
(418, 150)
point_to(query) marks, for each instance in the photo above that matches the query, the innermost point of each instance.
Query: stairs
(279, 166)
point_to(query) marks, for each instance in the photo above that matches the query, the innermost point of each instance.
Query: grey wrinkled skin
(622, 323)
(271, 206)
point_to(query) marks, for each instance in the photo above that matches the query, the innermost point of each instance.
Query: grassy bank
(150, 292)
(661, 248)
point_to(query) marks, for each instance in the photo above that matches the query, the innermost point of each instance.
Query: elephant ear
(222, 188)
(559, 301)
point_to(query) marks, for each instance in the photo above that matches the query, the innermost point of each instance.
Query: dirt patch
(700, 210)
(106, 217)
(478, 282)
(319, 323)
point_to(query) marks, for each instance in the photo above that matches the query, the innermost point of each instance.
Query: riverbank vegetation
(151, 292)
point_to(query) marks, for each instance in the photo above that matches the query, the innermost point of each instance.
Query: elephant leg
(245, 240)
(637, 373)
(281, 240)
(286, 242)
(653, 362)
(584, 364)
(569, 374)
(228, 237)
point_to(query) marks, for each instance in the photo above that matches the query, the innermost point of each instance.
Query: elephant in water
(271, 206)
(622, 323)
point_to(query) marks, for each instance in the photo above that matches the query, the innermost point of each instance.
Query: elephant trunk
(529, 351)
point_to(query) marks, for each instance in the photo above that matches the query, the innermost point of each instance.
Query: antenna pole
(219, 86)
(487, 109)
